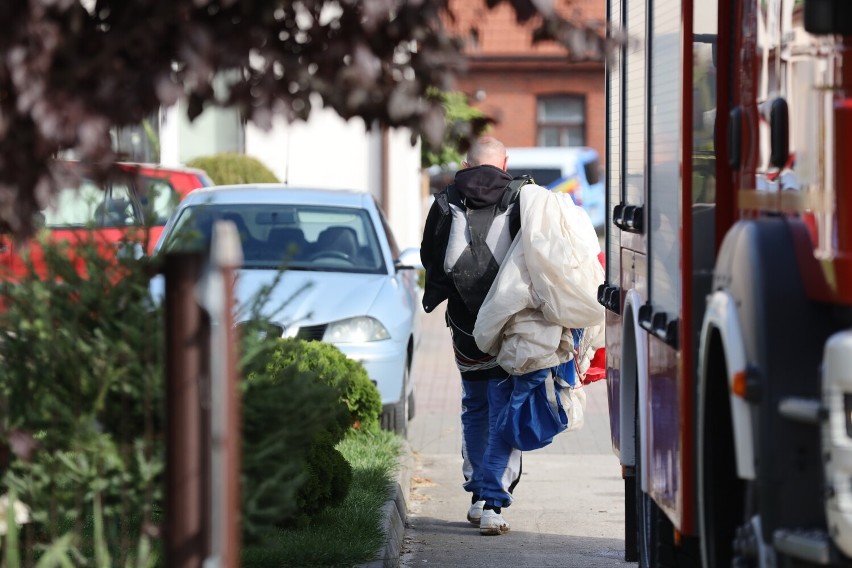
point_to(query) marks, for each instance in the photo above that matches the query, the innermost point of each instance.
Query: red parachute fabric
(597, 367)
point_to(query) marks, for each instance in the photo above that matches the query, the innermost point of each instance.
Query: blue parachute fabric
(568, 370)
(530, 420)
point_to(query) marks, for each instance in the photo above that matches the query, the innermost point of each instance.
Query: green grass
(341, 536)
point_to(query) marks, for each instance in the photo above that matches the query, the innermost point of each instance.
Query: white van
(573, 170)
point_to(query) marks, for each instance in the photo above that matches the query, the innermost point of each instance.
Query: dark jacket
(475, 188)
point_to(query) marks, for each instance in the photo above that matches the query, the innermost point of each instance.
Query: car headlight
(355, 330)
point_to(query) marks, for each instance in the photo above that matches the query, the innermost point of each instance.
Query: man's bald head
(487, 150)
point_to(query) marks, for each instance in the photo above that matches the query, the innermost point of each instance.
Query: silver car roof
(277, 194)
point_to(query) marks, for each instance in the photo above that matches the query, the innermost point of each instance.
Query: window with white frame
(561, 120)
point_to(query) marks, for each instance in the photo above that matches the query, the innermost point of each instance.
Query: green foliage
(355, 526)
(331, 366)
(81, 393)
(463, 122)
(300, 398)
(231, 168)
(330, 476)
(284, 414)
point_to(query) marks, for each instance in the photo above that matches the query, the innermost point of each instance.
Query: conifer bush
(347, 377)
(329, 477)
(300, 398)
(286, 414)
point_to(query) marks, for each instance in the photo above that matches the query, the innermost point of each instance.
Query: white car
(345, 282)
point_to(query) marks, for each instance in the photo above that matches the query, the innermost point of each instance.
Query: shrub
(231, 168)
(81, 392)
(330, 476)
(355, 527)
(347, 377)
(285, 414)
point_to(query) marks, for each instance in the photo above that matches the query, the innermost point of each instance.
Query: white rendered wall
(214, 131)
(325, 152)
(404, 207)
(330, 152)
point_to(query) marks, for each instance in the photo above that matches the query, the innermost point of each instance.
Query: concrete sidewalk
(569, 505)
(568, 509)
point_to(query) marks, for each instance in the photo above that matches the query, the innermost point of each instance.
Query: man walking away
(467, 233)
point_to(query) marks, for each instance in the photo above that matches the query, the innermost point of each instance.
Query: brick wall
(493, 32)
(509, 73)
(510, 98)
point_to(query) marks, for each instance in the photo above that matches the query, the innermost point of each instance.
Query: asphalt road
(568, 509)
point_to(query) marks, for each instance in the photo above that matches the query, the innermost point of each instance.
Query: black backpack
(437, 281)
(451, 195)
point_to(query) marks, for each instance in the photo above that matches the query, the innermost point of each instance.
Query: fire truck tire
(654, 531)
(631, 550)
(721, 498)
(768, 282)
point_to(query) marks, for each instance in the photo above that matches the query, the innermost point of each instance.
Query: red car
(126, 205)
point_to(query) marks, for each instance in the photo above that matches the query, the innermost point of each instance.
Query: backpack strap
(443, 200)
(510, 194)
(451, 195)
(442, 228)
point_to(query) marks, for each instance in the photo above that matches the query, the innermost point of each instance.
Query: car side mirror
(409, 259)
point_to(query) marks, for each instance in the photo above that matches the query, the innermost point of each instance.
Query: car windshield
(300, 237)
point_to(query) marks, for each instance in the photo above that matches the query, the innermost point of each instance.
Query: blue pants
(491, 467)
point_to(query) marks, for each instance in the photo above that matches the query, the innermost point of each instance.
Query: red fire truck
(729, 280)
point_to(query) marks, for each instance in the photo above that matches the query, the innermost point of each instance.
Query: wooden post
(186, 530)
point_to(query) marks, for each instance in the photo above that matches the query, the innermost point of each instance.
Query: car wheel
(395, 416)
(411, 406)
(394, 419)
(406, 381)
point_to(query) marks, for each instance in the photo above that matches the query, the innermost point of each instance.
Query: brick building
(537, 95)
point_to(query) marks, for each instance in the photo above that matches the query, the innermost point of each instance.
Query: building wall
(214, 131)
(326, 151)
(330, 152)
(510, 97)
(506, 73)
(498, 33)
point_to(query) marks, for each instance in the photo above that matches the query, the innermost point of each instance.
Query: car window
(304, 237)
(592, 170)
(542, 176)
(74, 206)
(158, 199)
(118, 209)
(88, 205)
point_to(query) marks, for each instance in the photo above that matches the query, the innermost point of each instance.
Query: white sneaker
(492, 523)
(475, 512)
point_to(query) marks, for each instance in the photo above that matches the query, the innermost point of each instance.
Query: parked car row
(350, 283)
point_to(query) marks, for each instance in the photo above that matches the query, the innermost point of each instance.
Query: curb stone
(394, 514)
